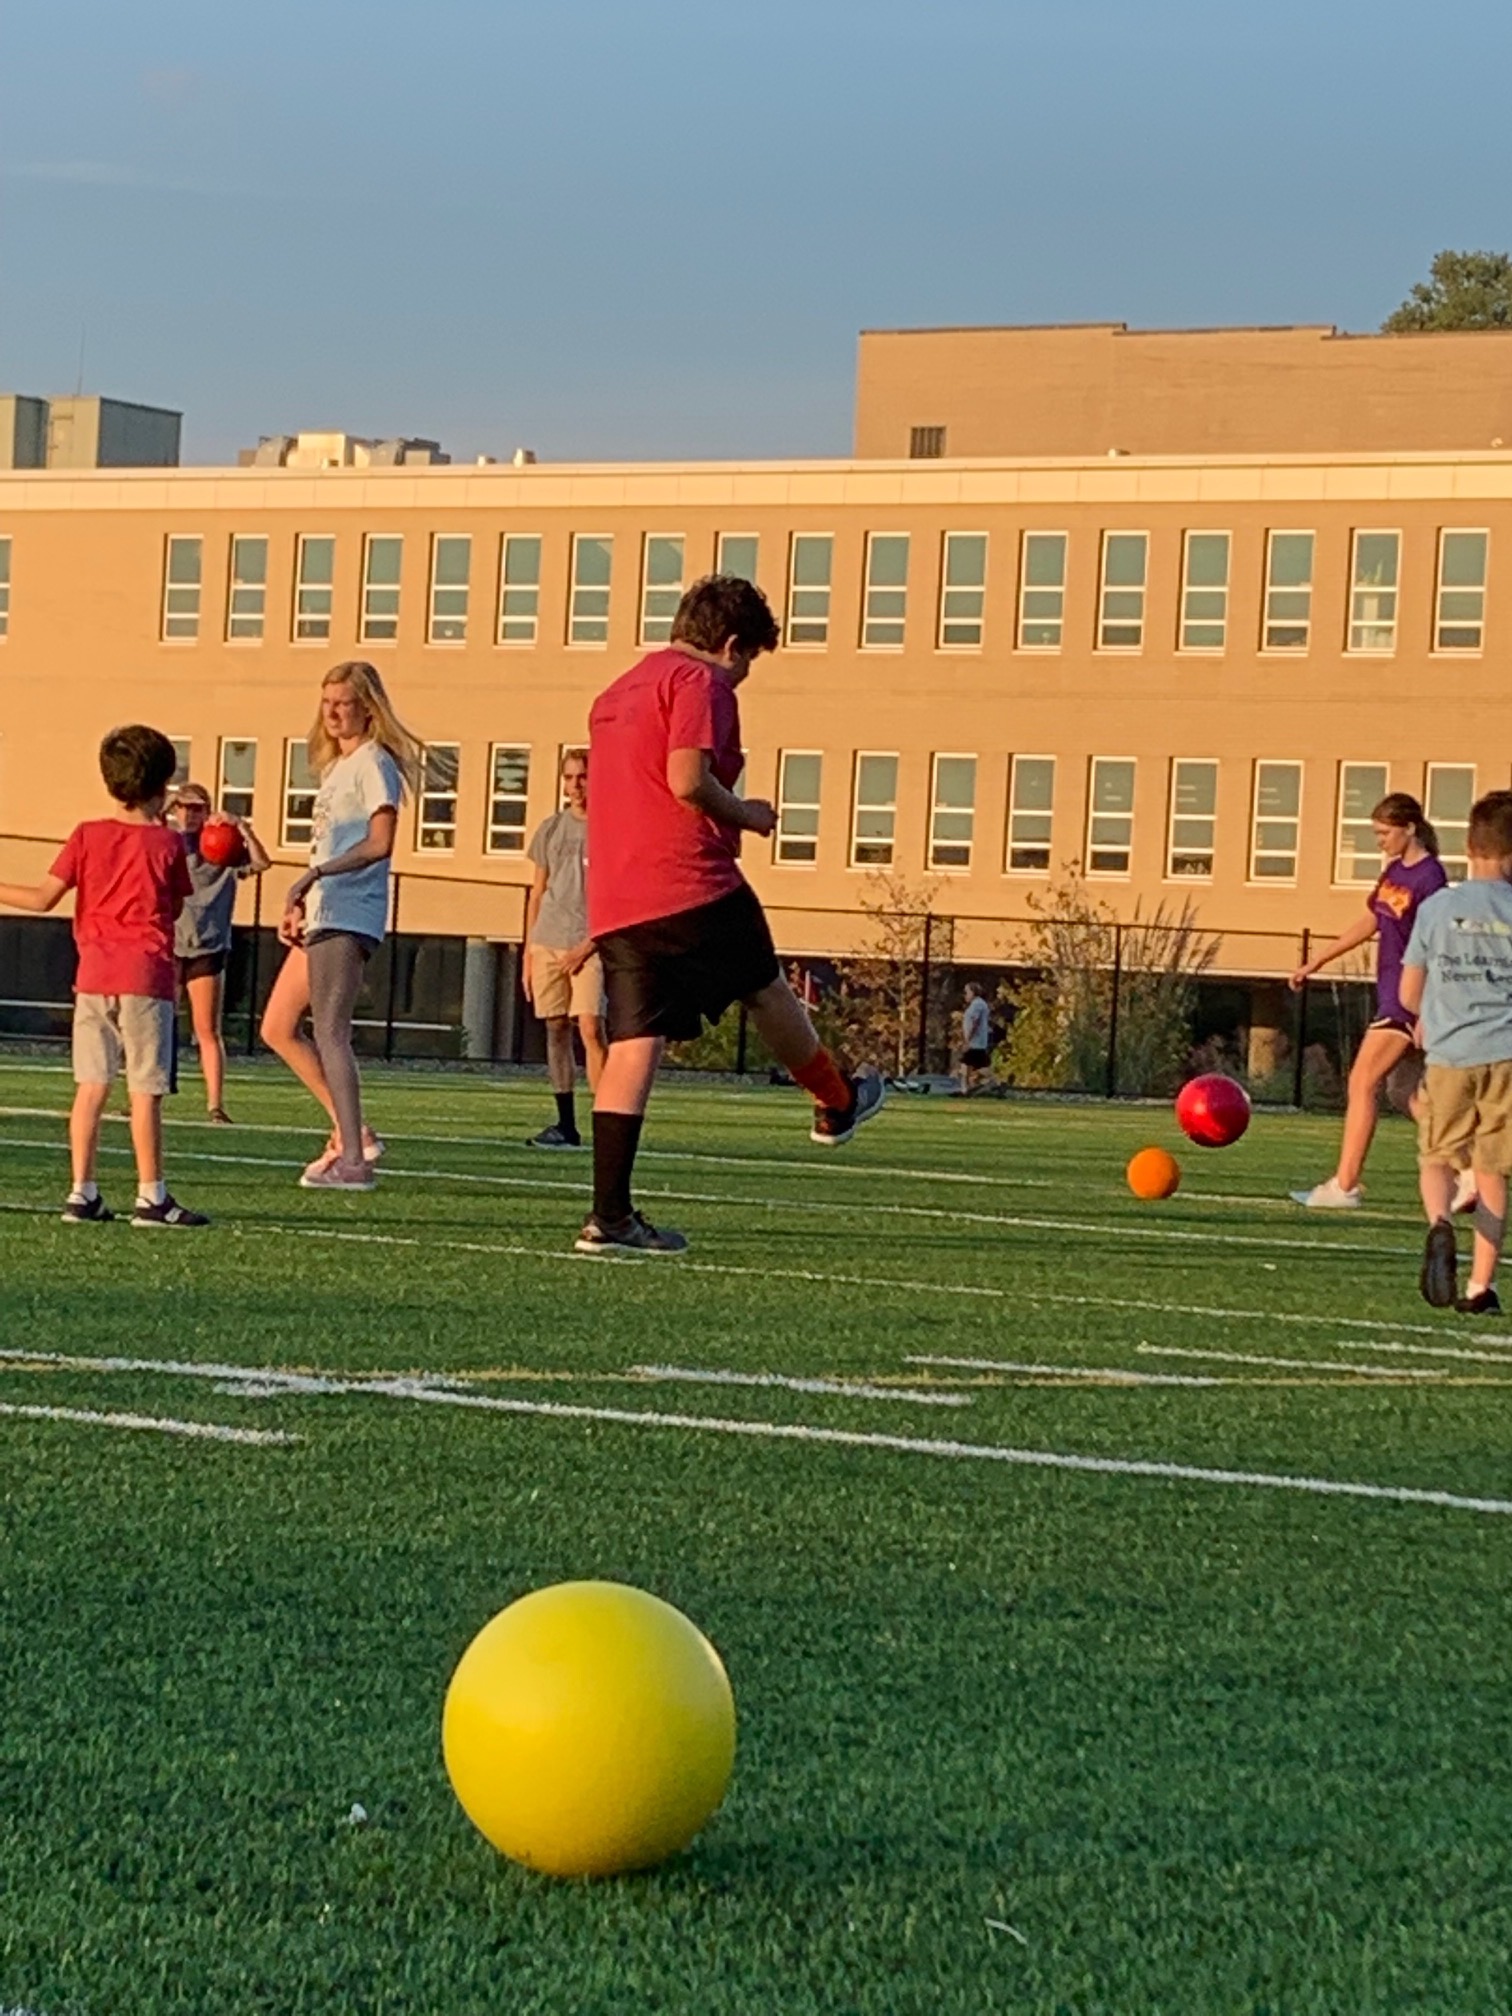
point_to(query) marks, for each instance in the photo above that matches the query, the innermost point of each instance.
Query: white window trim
(719, 545)
(1029, 756)
(170, 539)
(592, 588)
(424, 825)
(285, 844)
(868, 588)
(1044, 532)
(1351, 650)
(221, 786)
(646, 584)
(432, 641)
(232, 584)
(1109, 874)
(364, 636)
(972, 757)
(788, 641)
(962, 532)
(1458, 651)
(802, 804)
(1428, 775)
(1187, 881)
(301, 540)
(1252, 881)
(518, 643)
(1301, 650)
(1342, 764)
(1121, 650)
(527, 749)
(6, 582)
(856, 808)
(1201, 650)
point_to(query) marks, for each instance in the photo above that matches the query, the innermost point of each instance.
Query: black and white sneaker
(90, 1211)
(554, 1137)
(1438, 1280)
(170, 1213)
(634, 1234)
(1486, 1303)
(834, 1125)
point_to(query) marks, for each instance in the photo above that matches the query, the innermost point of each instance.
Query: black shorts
(976, 1060)
(365, 945)
(1402, 1024)
(667, 977)
(202, 966)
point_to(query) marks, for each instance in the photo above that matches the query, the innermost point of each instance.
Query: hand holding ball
(221, 843)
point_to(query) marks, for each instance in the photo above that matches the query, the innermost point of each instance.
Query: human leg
(1490, 1223)
(595, 1046)
(84, 1133)
(147, 1141)
(561, 1064)
(335, 979)
(206, 992)
(1380, 1050)
(282, 1026)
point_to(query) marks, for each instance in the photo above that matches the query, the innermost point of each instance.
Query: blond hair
(383, 725)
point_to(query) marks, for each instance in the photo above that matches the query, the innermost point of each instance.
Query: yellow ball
(589, 1729)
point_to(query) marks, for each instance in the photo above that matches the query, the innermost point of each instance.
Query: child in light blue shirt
(1457, 978)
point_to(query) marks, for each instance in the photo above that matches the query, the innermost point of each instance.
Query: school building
(1176, 607)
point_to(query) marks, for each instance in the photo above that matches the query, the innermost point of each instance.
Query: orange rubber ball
(1153, 1173)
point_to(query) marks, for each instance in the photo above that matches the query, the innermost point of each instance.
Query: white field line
(844, 1389)
(1111, 1375)
(1397, 1372)
(205, 1431)
(908, 1445)
(1314, 1249)
(1429, 1350)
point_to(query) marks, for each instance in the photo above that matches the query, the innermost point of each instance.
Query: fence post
(252, 966)
(922, 1062)
(393, 974)
(1300, 1040)
(740, 1042)
(1112, 1084)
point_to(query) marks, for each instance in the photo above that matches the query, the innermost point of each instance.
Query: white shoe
(1465, 1196)
(1329, 1196)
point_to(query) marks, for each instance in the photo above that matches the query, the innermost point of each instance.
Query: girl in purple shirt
(1412, 872)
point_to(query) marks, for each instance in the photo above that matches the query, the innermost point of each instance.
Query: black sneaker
(95, 1212)
(632, 1235)
(169, 1212)
(1487, 1303)
(1438, 1280)
(219, 1117)
(834, 1125)
(554, 1137)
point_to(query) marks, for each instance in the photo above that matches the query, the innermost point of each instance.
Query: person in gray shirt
(202, 937)
(563, 979)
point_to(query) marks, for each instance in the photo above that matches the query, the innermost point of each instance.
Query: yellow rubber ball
(589, 1729)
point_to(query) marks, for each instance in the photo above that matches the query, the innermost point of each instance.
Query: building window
(952, 815)
(238, 778)
(5, 586)
(436, 809)
(809, 588)
(508, 793)
(1460, 619)
(798, 777)
(1204, 591)
(183, 750)
(1194, 818)
(181, 588)
(1373, 597)
(520, 588)
(926, 444)
(1125, 556)
(592, 564)
(886, 605)
(314, 588)
(247, 595)
(299, 787)
(1362, 786)
(874, 813)
(450, 587)
(1031, 807)
(1288, 591)
(1110, 816)
(1448, 794)
(1277, 824)
(382, 562)
(738, 553)
(963, 591)
(661, 585)
(1042, 593)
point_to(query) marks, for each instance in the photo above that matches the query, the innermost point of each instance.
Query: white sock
(152, 1193)
(83, 1193)
(1476, 1288)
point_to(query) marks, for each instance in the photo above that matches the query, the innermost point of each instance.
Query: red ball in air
(221, 844)
(1212, 1110)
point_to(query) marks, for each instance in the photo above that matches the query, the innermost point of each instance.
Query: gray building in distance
(85, 431)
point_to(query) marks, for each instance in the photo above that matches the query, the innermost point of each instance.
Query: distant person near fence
(563, 975)
(976, 1042)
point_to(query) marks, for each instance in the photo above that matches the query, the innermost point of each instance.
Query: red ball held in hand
(222, 845)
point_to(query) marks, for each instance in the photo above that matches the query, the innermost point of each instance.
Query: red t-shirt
(131, 882)
(649, 855)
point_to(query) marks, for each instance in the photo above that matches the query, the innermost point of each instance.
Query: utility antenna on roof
(79, 387)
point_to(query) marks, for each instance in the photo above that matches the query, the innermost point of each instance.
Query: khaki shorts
(554, 991)
(130, 1031)
(1467, 1116)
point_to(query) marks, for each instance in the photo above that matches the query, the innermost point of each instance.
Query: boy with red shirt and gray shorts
(679, 930)
(131, 878)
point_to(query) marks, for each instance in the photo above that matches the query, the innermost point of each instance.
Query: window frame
(787, 803)
(1267, 621)
(1430, 771)
(1338, 881)
(933, 842)
(366, 614)
(1026, 588)
(1299, 767)
(297, 844)
(874, 617)
(894, 757)
(577, 615)
(1437, 647)
(1105, 589)
(223, 789)
(7, 561)
(1356, 623)
(978, 588)
(648, 640)
(1110, 874)
(302, 617)
(1017, 811)
(425, 795)
(1212, 763)
(719, 553)
(167, 615)
(790, 617)
(1185, 621)
(434, 617)
(502, 614)
(236, 585)
(493, 797)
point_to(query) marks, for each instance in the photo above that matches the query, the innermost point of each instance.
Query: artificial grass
(1202, 1746)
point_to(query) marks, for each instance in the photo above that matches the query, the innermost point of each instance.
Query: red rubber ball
(1212, 1110)
(221, 844)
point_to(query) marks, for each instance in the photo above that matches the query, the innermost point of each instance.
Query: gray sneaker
(834, 1125)
(554, 1137)
(634, 1234)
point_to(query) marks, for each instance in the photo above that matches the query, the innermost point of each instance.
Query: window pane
(509, 789)
(875, 811)
(1461, 614)
(1031, 801)
(592, 565)
(313, 592)
(520, 588)
(963, 581)
(1373, 598)
(436, 812)
(886, 590)
(5, 586)
(1042, 599)
(300, 786)
(953, 817)
(382, 560)
(1357, 857)
(1194, 804)
(181, 588)
(1123, 591)
(1204, 610)
(662, 589)
(1447, 800)
(737, 554)
(798, 807)
(1288, 591)
(809, 588)
(238, 776)
(451, 568)
(1110, 822)
(247, 594)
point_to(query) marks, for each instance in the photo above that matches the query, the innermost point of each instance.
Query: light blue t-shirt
(1463, 940)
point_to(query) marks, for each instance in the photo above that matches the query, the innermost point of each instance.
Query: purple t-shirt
(1394, 903)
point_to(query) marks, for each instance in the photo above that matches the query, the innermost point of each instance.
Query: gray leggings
(337, 960)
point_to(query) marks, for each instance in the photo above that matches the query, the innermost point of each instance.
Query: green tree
(1465, 290)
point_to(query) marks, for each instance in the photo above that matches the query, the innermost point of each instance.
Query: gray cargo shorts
(134, 1032)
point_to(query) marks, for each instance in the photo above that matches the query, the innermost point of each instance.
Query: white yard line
(842, 1388)
(1110, 1375)
(1429, 1350)
(203, 1431)
(1397, 1372)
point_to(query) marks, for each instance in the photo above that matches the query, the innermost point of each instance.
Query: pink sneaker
(329, 1172)
(374, 1147)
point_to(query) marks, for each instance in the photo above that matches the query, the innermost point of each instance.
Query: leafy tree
(1466, 290)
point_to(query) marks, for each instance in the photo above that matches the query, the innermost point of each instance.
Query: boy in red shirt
(131, 880)
(679, 930)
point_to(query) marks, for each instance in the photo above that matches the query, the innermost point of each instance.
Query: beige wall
(1096, 389)
(84, 651)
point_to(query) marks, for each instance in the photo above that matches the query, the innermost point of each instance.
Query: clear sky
(610, 228)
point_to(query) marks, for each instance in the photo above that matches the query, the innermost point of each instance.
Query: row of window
(1191, 826)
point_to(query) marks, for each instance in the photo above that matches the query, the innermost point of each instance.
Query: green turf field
(1017, 1732)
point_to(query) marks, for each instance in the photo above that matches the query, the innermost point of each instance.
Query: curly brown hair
(721, 607)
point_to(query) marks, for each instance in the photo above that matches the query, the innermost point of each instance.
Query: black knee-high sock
(566, 1105)
(616, 1136)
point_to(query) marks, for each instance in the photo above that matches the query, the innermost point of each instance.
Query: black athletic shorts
(1401, 1025)
(667, 977)
(202, 965)
(976, 1060)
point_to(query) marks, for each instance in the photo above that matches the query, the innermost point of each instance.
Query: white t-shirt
(351, 791)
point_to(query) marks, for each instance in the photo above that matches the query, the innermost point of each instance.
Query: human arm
(41, 896)
(377, 844)
(1410, 987)
(1359, 933)
(532, 913)
(258, 860)
(691, 780)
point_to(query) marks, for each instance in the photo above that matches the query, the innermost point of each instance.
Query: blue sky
(654, 228)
